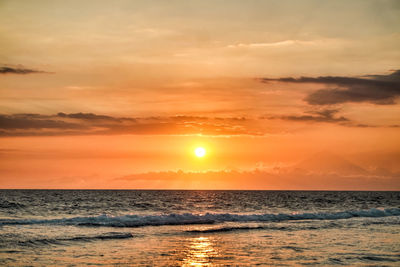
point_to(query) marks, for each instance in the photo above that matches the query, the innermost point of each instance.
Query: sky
(283, 95)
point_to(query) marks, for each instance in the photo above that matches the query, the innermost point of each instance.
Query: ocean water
(198, 228)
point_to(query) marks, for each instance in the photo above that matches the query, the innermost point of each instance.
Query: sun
(200, 152)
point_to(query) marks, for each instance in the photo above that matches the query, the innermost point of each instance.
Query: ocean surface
(198, 228)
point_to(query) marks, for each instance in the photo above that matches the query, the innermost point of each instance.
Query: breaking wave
(59, 241)
(225, 229)
(208, 218)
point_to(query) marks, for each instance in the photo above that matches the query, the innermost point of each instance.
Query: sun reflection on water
(200, 252)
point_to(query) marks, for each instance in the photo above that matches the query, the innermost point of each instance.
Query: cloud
(327, 115)
(377, 89)
(89, 123)
(91, 116)
(321, 170)
(33, 121)
(62, 124)
(18, 70)
(272, 44)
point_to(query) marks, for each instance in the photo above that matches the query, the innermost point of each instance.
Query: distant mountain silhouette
(327, 162)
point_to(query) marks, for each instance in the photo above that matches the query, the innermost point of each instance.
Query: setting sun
(200, 152)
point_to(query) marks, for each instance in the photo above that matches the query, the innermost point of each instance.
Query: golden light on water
(200, 152)
(200, 253)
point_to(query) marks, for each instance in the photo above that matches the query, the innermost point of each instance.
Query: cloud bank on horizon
(322, 170)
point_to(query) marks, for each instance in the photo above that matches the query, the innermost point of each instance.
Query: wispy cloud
(376, 89)
(18, 70)
(327, 115)
(272, 44)
(34, 121)
(89, 123)
(94, 124)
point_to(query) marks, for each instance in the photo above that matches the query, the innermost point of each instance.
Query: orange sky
(282, 94)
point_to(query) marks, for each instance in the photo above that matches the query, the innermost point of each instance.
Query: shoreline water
(204, 228)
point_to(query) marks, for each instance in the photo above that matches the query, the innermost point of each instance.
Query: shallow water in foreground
(198, 228)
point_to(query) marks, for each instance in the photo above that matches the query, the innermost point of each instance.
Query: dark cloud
(18, 70)
(363, 125)
(327, 115)
(93, 124)
(91, 116)
(377, 89)
(89, 123)
(30, 121)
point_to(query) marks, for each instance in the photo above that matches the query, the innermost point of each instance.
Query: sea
(198, 228)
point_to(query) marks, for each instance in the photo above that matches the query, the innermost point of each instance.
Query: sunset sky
(281, 94)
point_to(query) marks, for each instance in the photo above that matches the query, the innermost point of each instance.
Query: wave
(208, 218)
(62, 240)
(225, 229)
(4, 204)
(269, 227)
(286, 227)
